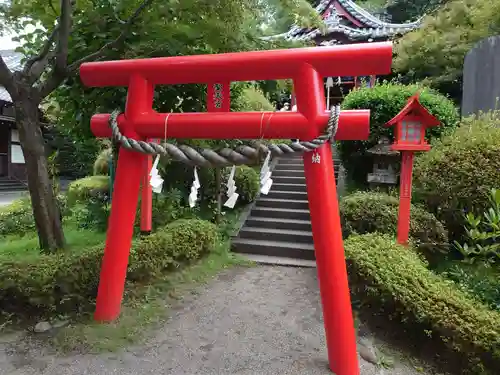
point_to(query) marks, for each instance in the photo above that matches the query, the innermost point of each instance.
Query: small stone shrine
(384, 164)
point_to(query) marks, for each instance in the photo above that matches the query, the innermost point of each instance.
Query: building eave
(375, 28)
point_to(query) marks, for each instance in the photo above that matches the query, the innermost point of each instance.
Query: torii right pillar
(327, 235)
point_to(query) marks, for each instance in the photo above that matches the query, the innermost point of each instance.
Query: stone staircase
(8, 185)
(278, 228)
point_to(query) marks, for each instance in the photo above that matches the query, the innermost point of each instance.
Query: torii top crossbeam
(346, 60)
(305, 66)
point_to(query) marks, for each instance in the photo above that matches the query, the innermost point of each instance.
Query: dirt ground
(249, 321)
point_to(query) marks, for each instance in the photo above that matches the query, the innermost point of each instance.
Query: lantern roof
(414, 108)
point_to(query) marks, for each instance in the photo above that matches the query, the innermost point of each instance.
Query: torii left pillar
(305, 66)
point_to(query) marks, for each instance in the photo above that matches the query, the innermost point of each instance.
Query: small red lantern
(411, 123)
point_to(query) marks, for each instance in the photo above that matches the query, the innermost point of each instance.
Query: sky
(7, 43)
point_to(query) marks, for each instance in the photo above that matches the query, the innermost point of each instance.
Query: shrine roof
(349, 19)
(13, 61)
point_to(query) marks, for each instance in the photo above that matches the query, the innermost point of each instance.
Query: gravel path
(248, 321)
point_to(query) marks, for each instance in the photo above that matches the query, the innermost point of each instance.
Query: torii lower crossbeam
(307, 67)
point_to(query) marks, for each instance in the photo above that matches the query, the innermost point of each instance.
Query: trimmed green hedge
(368, 212)
(247, 182)
(66, 282)
(17, 217)
(384, 101)
(396, 282)
(460, 170)
(80, 191)
(246, 178)
(101, 164)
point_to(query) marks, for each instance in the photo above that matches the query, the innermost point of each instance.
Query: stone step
(280, 235)
(288, 179)
(7, 184)
(289, 187)
(279, 261)
(288, 167)
(281, 213)
(296, 161)
(279, 194)
(278, 223)
(283, 203)
(273, 248)
(288, 172)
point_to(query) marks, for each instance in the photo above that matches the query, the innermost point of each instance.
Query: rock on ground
(247, 321)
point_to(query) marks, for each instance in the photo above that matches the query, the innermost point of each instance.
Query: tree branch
(104, 49)
(63, 36)
(58, 76)
(39, 67)
(43, 53)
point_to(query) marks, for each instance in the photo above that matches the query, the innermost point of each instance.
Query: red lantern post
(411, 123)
(306, 66)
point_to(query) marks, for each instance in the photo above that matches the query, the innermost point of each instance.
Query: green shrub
(247, 182)
(368, 212)
(167, 207)
(81, 190)
(481, 279)
(65, 282)
(483, 233)
(17, 217)
(101, 164)
(394, 280)
(246, 178)
(460, 170)
(93, 214)
(182, 241)
(384, 101)
(252, 99)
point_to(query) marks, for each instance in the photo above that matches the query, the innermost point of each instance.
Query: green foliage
(17, 217)
(252, 99)
(101, 164)
(385, 100)
(81, 190)
(460, 170)
(436, 51)
(481, 279)
(368, 212)
(93, 213)
(167, 207)
(66, 282)
(403, 10)
(247, 182)
(182, 241)
(483, 233)
(246, 178)
(169, 29)
(394, 280)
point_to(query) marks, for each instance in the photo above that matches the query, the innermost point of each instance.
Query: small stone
(367, 351)
(60, 323)
(41, 327)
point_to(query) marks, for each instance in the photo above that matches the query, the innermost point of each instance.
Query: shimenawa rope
(245, 154)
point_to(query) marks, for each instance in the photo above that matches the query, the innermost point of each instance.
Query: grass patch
(144, 307)
(27, 246)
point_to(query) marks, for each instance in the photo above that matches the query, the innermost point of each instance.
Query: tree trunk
(43, 201)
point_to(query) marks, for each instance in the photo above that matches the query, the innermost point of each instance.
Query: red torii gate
(306, 66)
